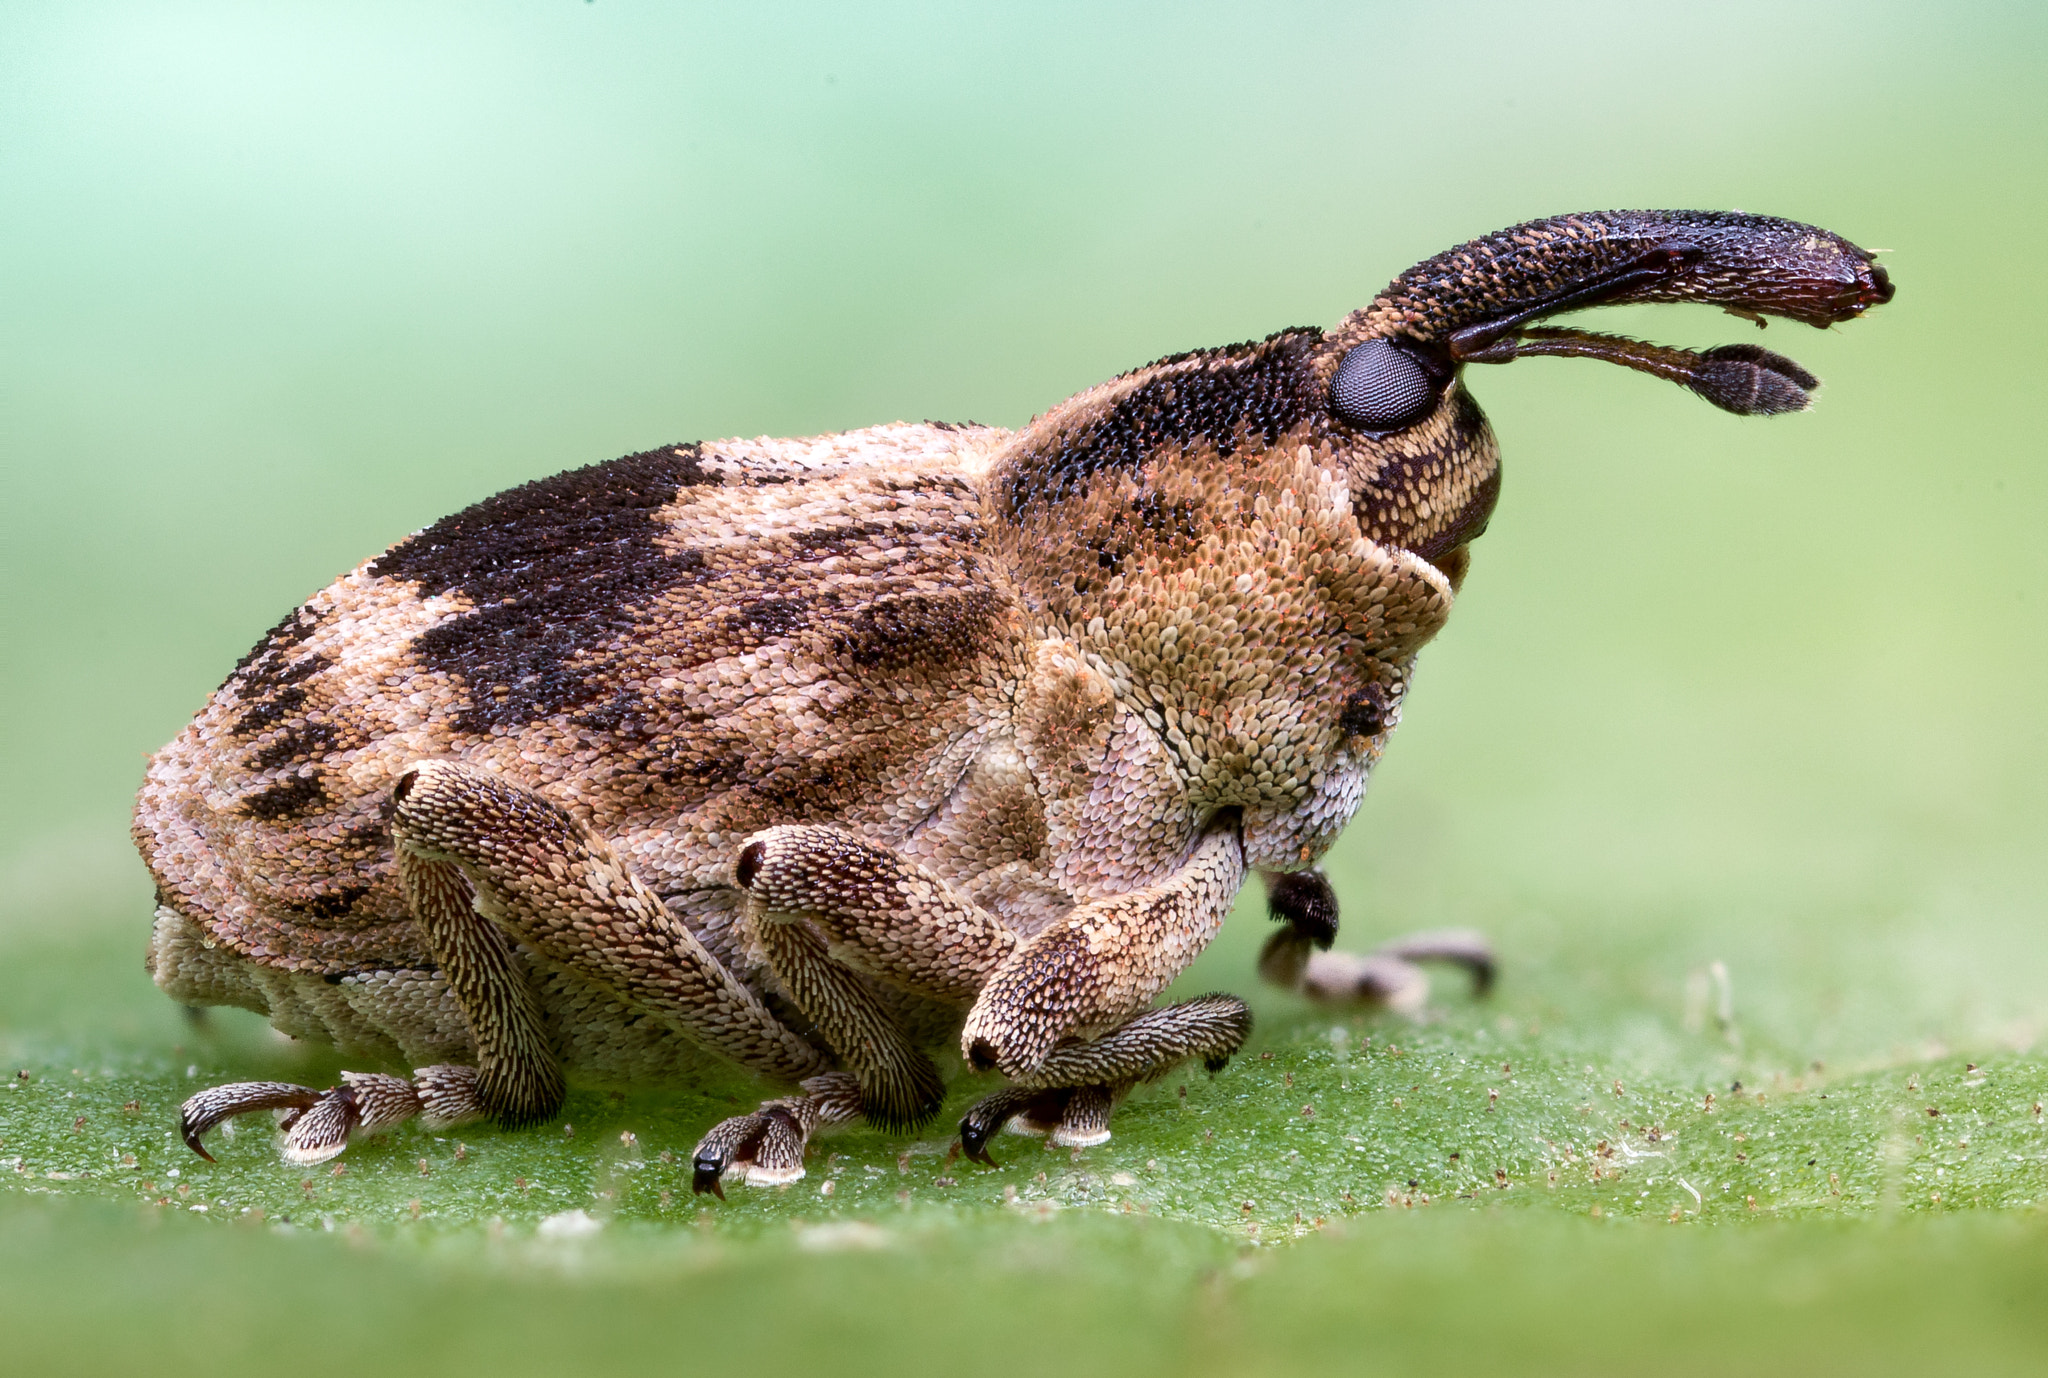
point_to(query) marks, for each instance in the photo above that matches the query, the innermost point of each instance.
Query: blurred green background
(282, 283)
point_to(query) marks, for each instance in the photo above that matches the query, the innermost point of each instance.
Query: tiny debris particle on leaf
(570, 1224)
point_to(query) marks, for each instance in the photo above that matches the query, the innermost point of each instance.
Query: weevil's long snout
(1476, 303)
(1749, 263)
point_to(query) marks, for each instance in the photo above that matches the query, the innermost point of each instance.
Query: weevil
(819, 756)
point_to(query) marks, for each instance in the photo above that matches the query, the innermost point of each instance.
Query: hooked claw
(974, 1143)
(705, 1173)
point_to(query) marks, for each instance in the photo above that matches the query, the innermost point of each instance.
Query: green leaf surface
(1328, 1114)
(1734, 746)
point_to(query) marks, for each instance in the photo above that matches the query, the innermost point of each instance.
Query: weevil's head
(1392, 373)
(1292, 516)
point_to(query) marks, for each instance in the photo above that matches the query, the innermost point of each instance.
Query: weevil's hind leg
(217, 1105)
(766, 1148)
(317, 1125)
(518, 1077)
(899, 1088)
(518, 1081)
(1072, 1094)
(830, 911)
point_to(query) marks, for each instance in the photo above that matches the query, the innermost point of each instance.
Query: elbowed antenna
(1475, 303)
(1748, 380)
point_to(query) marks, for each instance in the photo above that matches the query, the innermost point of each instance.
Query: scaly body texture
(816, 755)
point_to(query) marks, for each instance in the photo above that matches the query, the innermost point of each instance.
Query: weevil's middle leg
(1071, 1095)
(766, 1148)
(880, 912)
(544, 879)
(831, 910)
(900, 1089)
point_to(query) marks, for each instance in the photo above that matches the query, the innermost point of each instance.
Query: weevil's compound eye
(1381, 387)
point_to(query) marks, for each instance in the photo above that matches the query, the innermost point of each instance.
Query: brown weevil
(816, 756)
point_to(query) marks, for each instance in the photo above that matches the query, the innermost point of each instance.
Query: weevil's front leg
(1071, 1095)
(1388, 976)
(1091, 971)
(1296, 956)
(1103, 962)
(319, 1124)
(1305, 906)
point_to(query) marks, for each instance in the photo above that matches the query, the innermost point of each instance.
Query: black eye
(1381, 387)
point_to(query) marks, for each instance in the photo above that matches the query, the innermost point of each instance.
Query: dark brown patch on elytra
(675, 747)
(554, 569)
(805, 788)
(306, 742)
(826, 541)
(334, 903)
(1262, 390)
(265, 664)
(713, 763)
(920, 631)
(271, 689)
(292, 797)
(767, 618)
(281, 706)
(367, 839)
